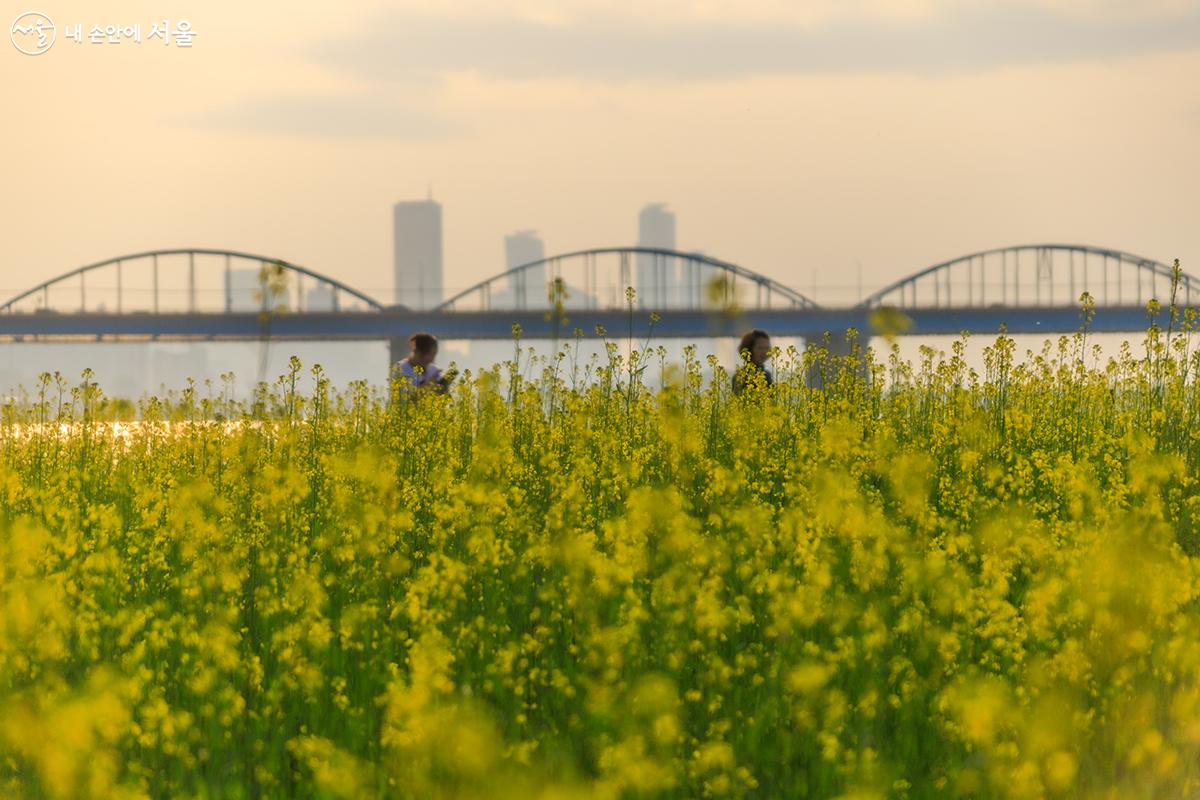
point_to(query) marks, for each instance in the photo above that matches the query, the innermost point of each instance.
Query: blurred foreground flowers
(914, 582)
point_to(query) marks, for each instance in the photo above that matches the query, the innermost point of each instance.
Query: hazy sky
(788, 136)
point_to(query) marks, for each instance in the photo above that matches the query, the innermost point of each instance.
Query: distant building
(657, 280)
(417, 225)
(321, 298)
(528, 287)
(244, 291)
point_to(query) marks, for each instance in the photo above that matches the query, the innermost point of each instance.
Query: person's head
(424, 349)
(756, 343)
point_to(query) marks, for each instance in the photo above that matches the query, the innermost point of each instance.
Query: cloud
(409, 47)
(401, 56)
(350, 115)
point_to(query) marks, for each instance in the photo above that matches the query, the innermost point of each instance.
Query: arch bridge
(596, 279)
(189, 280)
(208, 294)
(1036, 275)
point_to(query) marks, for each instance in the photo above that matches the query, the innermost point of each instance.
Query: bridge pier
(830, 357)
(398, 349)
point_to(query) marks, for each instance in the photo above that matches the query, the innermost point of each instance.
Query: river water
(134, 370)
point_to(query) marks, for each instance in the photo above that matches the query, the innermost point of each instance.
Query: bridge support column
(830, 358)
(398, 349)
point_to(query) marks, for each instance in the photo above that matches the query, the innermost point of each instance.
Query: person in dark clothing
(753, 351)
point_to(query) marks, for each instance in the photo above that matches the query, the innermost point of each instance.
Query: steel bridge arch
(796, 299)
(192, 252)
(1155, 268)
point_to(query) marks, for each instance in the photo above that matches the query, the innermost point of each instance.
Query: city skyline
(895, 134)
(419, 225)
(796, 140)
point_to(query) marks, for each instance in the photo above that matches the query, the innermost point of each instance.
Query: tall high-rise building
(528, 286)
(656, 279)
(418, 253)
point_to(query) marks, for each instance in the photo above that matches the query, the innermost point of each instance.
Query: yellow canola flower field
(914, 581)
